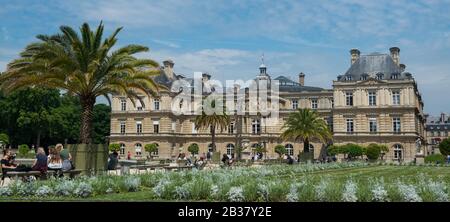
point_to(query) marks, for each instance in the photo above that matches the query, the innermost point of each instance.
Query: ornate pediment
(370, 81)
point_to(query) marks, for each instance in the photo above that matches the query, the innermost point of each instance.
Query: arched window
(210, 147)
(398, 152)
(230, 149)
(289, 149)
(122, 149)
(138, 149)
(311, 147)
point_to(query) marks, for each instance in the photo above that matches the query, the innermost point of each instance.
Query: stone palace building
(375, 101)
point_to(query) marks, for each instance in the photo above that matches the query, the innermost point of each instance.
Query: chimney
(168, 68)
(354, 55)
(395, 54)
(442, 117)
(402, 67)
(301, 79)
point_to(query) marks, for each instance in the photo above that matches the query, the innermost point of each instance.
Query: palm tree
(82, 65)
(212, 121)
(305, 125)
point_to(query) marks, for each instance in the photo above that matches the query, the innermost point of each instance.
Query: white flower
(236, 194)
(320, 189)
(349, 194)
(408, 193)
(292, 196)
(263, 191)
(44, 191)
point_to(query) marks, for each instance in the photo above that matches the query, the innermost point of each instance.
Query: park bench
(22, 174)
(178, 168)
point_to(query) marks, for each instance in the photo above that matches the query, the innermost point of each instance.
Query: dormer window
(364, 77)
(394, 76)
(380, 76)
(348, 78)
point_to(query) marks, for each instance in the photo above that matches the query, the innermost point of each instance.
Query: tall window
(396, 98)
(194, 130)
(139, 105)
(398, 154)
(156, 104)
(231, 128)
(155, 126)
(210, 147)
(122, 149)
(313, 103)
(372, 98)
(174, 125)
(138, 127)
(256, 126)
(350, 126)
(396, 124)
(122, 127)
(138, 149)
(372, 125)
(289, 149)
(332, 103)
(294, 104)
(230, 149)
(349, 98)
(123, 104)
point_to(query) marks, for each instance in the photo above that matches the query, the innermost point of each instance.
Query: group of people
(195, 160)
(58, 159)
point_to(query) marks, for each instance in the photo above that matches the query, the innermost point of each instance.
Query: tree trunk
(213, 138)
(306, 145)
(87, 105)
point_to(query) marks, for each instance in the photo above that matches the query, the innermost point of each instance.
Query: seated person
(54, 161)
(113, 161)
(225, 160)
(8, 161)
(40, 163)
(66, 158)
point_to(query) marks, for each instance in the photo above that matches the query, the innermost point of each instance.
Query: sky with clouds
(227, 38)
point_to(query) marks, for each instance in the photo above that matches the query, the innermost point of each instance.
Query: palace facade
(375, 101)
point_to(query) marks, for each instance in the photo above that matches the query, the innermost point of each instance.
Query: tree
(218, 119)
(280, 149)
(333, 150)
(85, 67)
(353, 150)
(383, 150)
(151, 148)
(373, 151)
(444, 146)
(23, 150)
(4, 138)
(101, 123)
(305, 125)
(114, 147)
(193, 148)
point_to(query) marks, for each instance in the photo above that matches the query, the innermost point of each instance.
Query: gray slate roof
(287, 85)
(374, 64)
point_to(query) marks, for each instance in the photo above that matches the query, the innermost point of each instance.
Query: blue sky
(227, 38)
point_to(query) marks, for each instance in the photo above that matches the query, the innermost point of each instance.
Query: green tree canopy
(114, 147)
(85, 65)
(280, 149)
(193, 148)
(444, 146)
(305, 125)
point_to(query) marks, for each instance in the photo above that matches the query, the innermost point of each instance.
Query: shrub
(236, 194)
(23, 150)
(353, 150)
(65, 188)
(83, 190)
(435, 158)
(373, 152)
(280, 149)
(349, 194)
(44, 191)
(333, 150)
(5, 191)
(4, 138)
(193, 149)
(114, 147)
(444, 146)
(132, 184)
(151, 148)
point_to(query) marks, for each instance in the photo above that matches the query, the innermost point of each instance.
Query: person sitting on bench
(8, 161)
(40, 163)
(54, 161)
(113, 161)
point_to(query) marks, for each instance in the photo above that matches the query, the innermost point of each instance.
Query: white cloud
(166, 43)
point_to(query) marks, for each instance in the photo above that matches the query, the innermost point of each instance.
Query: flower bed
(306, 182)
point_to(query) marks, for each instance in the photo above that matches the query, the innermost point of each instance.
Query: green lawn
(362, 175)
